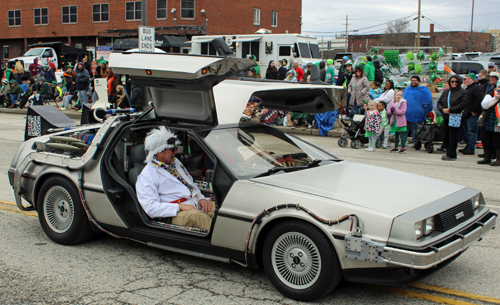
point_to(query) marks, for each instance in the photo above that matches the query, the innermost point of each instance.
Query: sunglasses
(453, 81)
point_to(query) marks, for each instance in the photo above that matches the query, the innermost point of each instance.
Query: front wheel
(356, 144)
(300, 261)
(61, 212)
(343, 142)
(418, 145)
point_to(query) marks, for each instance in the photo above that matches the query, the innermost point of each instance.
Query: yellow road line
(459, 293)
(12, 208)
(424, 296)
(7, 202)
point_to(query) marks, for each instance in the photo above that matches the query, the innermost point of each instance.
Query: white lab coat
(156, 189)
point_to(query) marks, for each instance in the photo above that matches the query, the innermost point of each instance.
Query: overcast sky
(328, 17)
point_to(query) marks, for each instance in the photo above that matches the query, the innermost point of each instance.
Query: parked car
(282, 204)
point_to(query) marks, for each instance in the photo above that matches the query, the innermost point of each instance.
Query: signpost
(146, 39)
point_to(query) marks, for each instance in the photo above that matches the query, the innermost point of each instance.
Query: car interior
(127, 162)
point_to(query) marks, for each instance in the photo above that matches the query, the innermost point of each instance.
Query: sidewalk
(73, 114)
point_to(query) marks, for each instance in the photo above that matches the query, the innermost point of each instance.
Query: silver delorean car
(304, 216)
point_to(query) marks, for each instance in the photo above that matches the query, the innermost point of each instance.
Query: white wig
(157, 141)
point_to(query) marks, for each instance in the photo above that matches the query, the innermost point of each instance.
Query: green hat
(471, 76)
(329, 61)
(13, 81)
(69, 65)
(253, 70)
(54, 82)
(46, 66)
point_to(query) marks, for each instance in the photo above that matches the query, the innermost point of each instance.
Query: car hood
(384, 190)
(24, 58)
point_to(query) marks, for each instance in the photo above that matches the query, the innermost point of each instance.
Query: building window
(41, 16)
(187, 9)
(70, 14)
(161, 9)
(14, 18)
(100, 12)
(133, 10)
(5, 52)
(274, 22)
(256, 16)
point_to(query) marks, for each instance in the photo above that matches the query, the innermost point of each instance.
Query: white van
(265, 47)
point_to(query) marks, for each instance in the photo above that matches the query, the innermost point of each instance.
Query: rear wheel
(378, 144)
(418, 145)
(430, 148)
(300, 261)
(61, 212)
(343, 142)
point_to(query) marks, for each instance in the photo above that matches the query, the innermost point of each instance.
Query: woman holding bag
(451, 104)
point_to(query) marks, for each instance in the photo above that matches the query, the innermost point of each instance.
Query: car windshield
(34, 52)
(259, 150)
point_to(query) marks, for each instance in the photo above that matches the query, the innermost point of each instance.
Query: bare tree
(397, 33)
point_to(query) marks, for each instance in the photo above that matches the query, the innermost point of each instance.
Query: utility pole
(346, 37)
(471, 23)
(418, 26)
(144, 13)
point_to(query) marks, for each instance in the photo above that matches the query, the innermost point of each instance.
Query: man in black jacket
(471, 113)
(483, 80)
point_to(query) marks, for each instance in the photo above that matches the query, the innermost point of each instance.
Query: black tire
(311, 269)
(430, 148)
(61, 212)
(356, 144)
(343, 142)
(379, 144)
(418, 145)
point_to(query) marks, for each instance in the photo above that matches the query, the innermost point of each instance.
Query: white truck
(265, 47)
(58, 51)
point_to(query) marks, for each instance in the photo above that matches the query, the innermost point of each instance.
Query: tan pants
(195, 218)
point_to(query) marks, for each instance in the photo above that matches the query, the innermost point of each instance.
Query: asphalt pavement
(34, 270)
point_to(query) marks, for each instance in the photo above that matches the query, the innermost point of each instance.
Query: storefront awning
(162, 42)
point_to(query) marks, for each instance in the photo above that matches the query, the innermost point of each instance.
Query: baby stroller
(427, 133)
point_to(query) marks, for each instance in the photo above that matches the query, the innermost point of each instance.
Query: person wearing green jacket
(14, 92)
(370, 69)
(43, 92)
(330, 72)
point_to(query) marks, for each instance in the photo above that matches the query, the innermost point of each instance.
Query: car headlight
(429, 225)
(419, 232)
(424, 227)
(475, 201)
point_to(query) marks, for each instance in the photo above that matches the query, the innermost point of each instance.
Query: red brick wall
(224, 17)
(459, 41)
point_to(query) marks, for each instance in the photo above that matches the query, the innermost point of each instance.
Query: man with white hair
(166, 190)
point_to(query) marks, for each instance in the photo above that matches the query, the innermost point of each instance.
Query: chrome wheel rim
(58, 209)
(296, 260)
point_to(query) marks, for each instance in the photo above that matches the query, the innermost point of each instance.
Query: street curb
(73, 114)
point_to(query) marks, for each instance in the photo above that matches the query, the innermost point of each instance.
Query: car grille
(454, 216)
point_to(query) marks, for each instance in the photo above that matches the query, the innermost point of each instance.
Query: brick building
(87, 23)
(458, 40)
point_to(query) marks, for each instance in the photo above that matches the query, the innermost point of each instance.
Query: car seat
(137, 157)
(195, 159)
